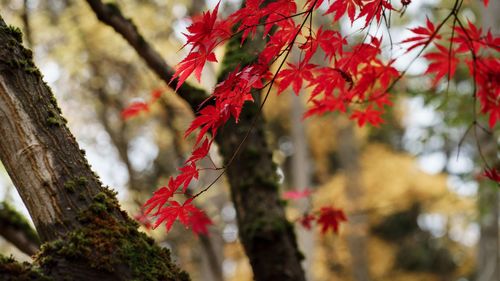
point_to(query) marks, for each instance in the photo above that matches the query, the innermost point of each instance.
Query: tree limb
(15, 229)
(111, 15)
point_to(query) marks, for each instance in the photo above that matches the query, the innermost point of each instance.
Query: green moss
(75, 183)
(15, 32)
(109, 245)
(10, 217)
(55, 119)
(10, 269)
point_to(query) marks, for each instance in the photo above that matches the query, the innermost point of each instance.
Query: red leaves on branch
(374, 10)
(161, 197)
(424, 35)
(294, 76)
(350, 75)
(187, 214)
(368, 115)
(327, 218)
(443, 62)
(339, 8)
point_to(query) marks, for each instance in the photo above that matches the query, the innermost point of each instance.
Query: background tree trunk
(349, 156)
(488, 262)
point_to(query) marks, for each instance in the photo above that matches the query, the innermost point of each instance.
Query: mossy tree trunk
(267, 236)
(86, 235)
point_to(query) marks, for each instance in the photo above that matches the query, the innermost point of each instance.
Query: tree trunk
(348, 147)
(488, 262)
(301, 180)
(87, 236)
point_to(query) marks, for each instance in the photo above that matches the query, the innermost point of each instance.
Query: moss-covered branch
(16, 229)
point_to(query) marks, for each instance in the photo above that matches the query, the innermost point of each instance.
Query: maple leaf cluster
(354, 79)
(327, 217)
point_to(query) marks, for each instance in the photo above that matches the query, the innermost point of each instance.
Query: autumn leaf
(161, 197)
(374, 10)
(443, 62)
(199, 221)
(368, 115)
(339, 8)
(294, 75)
(188, 173)
(493, 174)
(194, 62)
(134, 109)
(296, 194)
(424, 35)
(330, 218)
(172, 212)
(306, 221)
(200, 152)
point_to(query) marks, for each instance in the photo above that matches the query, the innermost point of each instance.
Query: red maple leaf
(174, 211)
(330, 217)
(209, 118)
(296, 194)
(161, 197)
(493, 174)
(374, 9)
(468, 39)
(199, 221)
(306, 220)
(188, 173)
(200, 152)
(134, 109)
(424, 35)
(194, 62)
(202, 31)
(294, 75)
(143, 219)
(443, 62)
(339, 7)
(368, 115)
(329, 103)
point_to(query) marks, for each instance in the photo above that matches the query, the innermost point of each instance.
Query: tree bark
(87, 235)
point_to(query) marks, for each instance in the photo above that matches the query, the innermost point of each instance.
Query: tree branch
(15, 229)
(111, 15)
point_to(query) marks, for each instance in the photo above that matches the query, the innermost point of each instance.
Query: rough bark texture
(87, 236)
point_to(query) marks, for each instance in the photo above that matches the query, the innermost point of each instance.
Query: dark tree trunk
(267, 236)
(86, 235)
